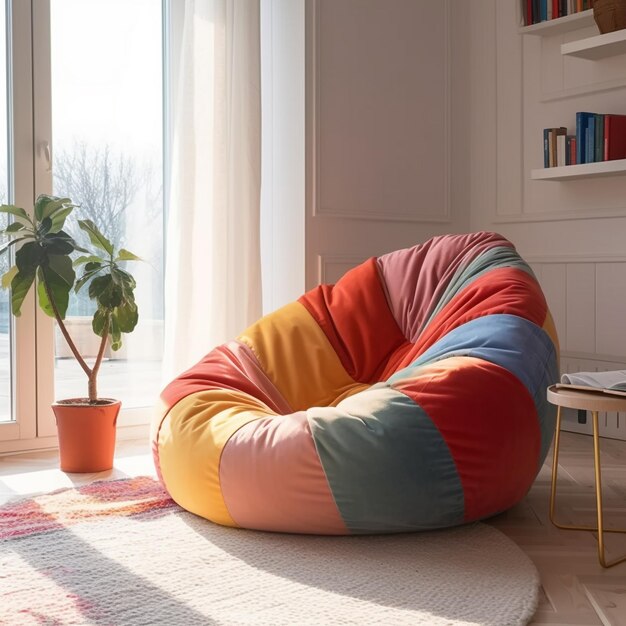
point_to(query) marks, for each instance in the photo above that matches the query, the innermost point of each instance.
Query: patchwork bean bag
(408, 396)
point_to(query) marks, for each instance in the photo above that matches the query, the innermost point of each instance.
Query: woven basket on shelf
(609, 15)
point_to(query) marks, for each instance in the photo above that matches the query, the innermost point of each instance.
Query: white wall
(574, 232)
(386, 128)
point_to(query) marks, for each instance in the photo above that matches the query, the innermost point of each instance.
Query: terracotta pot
(86, 434)
(609, 15)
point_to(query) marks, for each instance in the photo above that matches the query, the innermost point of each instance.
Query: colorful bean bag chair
(408, 396)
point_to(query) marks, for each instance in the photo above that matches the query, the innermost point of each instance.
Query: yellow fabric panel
(297, 357)
(550, 328)
(191, 440)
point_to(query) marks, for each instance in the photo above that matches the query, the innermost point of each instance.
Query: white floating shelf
(598, 47)
(586, 170)
(560, 24)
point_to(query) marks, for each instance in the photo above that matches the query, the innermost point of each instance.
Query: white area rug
(161, 565)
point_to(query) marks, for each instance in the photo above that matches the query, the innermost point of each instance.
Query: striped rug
(122, 553)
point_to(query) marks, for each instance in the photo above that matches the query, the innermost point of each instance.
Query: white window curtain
(213, 274)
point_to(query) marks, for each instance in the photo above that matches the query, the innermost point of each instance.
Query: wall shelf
(586, 170)
(598, 47)
(560, 24)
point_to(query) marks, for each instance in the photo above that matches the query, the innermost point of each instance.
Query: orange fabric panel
(355, 316)
(503, 290)
(297, 357)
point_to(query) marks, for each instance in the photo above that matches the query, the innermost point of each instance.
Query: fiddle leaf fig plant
(45, 259)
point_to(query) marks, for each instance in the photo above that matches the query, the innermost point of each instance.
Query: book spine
(546, 147)
(552, 146)
(543, 10)
(579, 5)
(529, 12)
(590, 134)
(572, 155)
(599, 139)
(560, 150)
(607, 134)
(580, 137)
(549, 9)
(568, 148)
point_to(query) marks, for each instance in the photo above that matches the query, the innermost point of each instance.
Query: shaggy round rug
(122, 553)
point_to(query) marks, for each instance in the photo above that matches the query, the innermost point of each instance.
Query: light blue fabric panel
(387, 465)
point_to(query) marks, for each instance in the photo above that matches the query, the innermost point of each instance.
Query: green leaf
(62, 266)
(8, 277)
(92, 258)
(100, 320)
(17, 211)
(59, 243)
(13, 228)
(45, 206)
(29, 257)
(20, 286)
(58, 219)
(95, 236)
(125, 255)
(127, 316)
(123, 277)
(59, 291)
(44, 227)
(116, 335)
(6, 246)
(84, 279)
(105, 292)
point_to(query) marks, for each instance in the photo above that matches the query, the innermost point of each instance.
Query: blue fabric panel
(387, 465)
(511, 342)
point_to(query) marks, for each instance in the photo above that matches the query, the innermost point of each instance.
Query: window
(86, 111)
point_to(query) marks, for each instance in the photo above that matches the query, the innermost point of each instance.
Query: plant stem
(64, 331)
(93, 378)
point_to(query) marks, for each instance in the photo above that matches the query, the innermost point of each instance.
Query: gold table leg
(598, 481)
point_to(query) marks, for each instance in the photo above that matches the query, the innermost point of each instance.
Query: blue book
(590, 141)
(544, 10)
(599, 139)
(582, 119)
(546, 147)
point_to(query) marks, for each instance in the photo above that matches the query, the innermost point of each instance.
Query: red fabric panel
(355, 316)
(489, 421)
(230, 366)
(503, 290)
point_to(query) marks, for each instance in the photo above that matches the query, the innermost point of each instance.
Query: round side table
(593, 401)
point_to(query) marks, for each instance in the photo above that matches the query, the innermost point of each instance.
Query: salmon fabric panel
(489, 422)
(355, 316)
(416, 278)
(231, 366)
(504, 290)
(272, 479)
(191, 440)
(297, 357)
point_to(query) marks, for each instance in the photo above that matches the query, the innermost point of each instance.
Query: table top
(585, 400)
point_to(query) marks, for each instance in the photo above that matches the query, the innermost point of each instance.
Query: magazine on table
(611, 383)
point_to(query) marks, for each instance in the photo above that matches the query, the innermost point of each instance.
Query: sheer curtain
(213, 275)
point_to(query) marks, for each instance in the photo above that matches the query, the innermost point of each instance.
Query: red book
(555, 9)
(572, 150)
(579, 6)
(529, 12)
(614, 137)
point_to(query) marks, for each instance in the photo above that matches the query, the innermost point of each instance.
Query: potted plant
(47, 261)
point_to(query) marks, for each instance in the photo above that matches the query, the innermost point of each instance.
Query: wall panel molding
(331, 267)
(438, 214)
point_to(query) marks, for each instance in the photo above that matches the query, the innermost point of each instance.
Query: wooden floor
(576, 590)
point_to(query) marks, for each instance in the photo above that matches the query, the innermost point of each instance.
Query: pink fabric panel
(272, 479)
(416, 278)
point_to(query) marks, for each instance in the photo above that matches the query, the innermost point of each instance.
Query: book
(553, 134)
(579, 5)
(582, 118)
(529, 12)
(546, 147)
(571, 150)
(599, 139)
(614, 137)
(536, 12)
(590, 140)
(560, 148)
(611, 383)
(543, 8)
